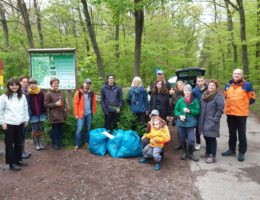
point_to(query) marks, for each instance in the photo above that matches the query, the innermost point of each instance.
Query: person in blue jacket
(111, 102)
(138, 99)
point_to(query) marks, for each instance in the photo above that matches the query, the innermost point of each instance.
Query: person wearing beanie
(37, 113)
(187, 111)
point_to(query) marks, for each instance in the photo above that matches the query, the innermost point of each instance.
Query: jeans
(152, 152)
(197, 135)
(186, 134)
(13, 143)
(86, 120)
(237, 124)
(56, 134)
(211, 145)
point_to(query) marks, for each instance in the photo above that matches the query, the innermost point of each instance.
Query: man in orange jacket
(239, 95)
(84, 109)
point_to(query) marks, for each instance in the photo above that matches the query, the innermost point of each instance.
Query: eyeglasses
(88, 83)
(156, 124)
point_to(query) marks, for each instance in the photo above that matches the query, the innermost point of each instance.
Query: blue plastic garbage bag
(125, 144)
(98, 142)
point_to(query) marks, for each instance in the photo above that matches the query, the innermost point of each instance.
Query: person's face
(33, 86)
(24, 83)
(160, 77)
(156, 124)
(237, 75)
(87, 85)
(187, 93)
(14, 87)
(159, 85)
(136, 83)
(212, 87)
(55, 85)
(200, 82)
(180, 87)
(154, 117)
(111, 80)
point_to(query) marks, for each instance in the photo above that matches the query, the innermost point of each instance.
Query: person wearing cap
(187, 111)
(54, 101)
(23, 80)
(138, 99)
(160, 100)
(159, 77)
(111, 102)
(239, 96)
(37, 113)
(84, 109)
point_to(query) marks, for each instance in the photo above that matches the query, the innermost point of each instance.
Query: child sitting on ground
(158, 136)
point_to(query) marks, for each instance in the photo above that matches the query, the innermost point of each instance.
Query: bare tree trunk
(5, 27)
(27, 25)
(93, 39)
(117, 53)
(39, 25)
(231, 32)
(84, 30)
(258, 35)
(139, 26)
(243, 36)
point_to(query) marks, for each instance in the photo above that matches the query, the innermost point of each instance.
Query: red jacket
(238, 98)
(79, 103)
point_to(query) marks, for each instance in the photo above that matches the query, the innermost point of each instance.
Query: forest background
(134, 37)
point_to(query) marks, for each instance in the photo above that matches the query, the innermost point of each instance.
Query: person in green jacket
(187, 111)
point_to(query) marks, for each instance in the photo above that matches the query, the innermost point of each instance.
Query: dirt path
(68, 175)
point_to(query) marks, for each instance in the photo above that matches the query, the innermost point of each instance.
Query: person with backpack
(138, 99)
(84, 109)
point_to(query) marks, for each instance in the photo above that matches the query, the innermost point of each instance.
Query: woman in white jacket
(13, 117)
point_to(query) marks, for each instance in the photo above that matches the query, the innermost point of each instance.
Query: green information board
(48, 63)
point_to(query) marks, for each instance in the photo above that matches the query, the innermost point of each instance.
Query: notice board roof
(52, 50)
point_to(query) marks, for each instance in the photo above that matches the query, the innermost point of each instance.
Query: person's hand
(59, 103)
(169, 118)
(76, 117)
(4, 126)
(117, 110)
(154, 141)
(182, 117)
(186, 110)
(143, 137)
(25, 124)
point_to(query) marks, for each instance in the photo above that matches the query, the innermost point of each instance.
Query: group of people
(195, 112)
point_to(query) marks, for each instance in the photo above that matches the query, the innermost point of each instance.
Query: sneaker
(210, 159)
(13, 167)
(143, 160)
(193, 158)
(241, 157)
(157, 166)
(26, 155)
(204, 155)
(76, 148)
(229, 152)
(197, 147)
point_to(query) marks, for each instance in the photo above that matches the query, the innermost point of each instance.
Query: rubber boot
(157, 166)
(41, 142)
(178, 147)
(184, 151)
(24, 154)
(36, 142)
(191, 155)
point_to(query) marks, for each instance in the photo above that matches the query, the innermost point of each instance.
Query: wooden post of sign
(70, 107)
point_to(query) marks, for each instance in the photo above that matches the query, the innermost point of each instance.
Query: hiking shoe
(204, 155)
(241, 157)
(184, 156)
(197, 147)
(178, 147)
(13, 167)
(26, 155)
(229, 152)
(21, 163)
(193, 157)
(143, 160)
(210, 159)
(157, 166)
(76, 148)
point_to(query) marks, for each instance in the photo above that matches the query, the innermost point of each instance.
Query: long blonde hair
(137, 78)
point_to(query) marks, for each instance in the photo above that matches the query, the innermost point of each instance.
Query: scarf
(208, 96)
(188, 101)
(35, 91)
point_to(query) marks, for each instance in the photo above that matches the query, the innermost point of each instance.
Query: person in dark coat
(111, 102)
(160, 100)
(212, 107)
(138, 99)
